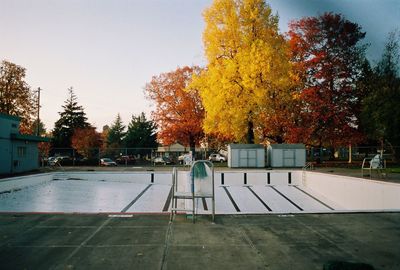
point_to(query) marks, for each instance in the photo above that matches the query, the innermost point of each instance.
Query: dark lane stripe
(204, 204)
(255, 194)
(168, 201)
(232, 201)
(135, 200)
(289, 200)
(321, 202)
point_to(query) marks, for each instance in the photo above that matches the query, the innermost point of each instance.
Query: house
(18, 153)
(175, 150)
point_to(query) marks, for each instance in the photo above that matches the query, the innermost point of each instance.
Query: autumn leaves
(260, 85)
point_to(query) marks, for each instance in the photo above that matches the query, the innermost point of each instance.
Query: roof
(31, 138)
(10, 117)
(245, 146)
(287, 146)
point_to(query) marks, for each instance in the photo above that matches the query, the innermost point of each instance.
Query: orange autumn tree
(179, 112)
(86, 141)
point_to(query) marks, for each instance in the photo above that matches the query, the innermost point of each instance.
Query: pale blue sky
(108, 50)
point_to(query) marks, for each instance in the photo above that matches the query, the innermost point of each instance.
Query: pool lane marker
(289, 200)
(321, 202)
(168, 201)
(261, 200)
(136, 199)
(232, 200)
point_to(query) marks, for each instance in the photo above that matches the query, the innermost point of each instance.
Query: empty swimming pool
(236, 192)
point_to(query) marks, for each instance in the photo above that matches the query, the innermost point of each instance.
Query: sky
(108, 50)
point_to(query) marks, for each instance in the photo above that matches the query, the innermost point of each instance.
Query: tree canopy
(141, 134)
(85, 141)
(328, 60)
(247, 78)
(73, 117)
(179, 112)
(116, 134)
(16, 98)
(380, 116)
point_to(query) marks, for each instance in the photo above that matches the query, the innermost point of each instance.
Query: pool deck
(53, 241)
(274, 241)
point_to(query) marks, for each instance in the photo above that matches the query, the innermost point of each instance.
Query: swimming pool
(236, 192)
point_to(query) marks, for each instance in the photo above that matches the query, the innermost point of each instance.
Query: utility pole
(38, 112)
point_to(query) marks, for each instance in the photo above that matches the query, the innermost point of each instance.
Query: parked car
(107, 162)
(51, 161)
(130, 160)
(217, 158)
(185, 158)
(60, 160)
(162, 160)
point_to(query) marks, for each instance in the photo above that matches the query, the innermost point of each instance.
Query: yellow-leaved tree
(247, 78)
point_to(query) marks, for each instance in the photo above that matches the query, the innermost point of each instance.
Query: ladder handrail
(193, 195)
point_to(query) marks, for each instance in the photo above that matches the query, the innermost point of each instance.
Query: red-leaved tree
(179, 112)
(327, 58)
(86, 141)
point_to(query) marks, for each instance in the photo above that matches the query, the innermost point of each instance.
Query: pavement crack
(244, 235)
(88, 239)
(166, 246)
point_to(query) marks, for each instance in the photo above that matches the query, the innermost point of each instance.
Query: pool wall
(136, 177)
(15, 183)
(276, 178)
(355, 193)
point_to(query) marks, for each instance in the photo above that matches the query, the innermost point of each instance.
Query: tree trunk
(250, 132)
(192, 145)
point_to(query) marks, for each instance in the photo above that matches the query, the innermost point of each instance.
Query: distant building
(18, 153)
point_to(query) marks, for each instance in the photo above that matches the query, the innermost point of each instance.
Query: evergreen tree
(71, 118)
(39, 129)
(141, 134)
(380, 117)
(116, 134)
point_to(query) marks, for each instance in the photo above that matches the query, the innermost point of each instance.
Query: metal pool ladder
(193, 190)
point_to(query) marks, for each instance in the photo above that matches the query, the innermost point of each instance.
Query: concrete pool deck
(137, 241)
(37, 241)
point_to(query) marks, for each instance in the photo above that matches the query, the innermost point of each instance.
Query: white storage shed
(286, 155)
(246, 156)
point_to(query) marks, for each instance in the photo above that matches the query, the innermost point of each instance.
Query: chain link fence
(152, 156)
(121, 156)
(352, 154)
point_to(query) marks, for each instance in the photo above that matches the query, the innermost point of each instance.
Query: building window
(21, 151)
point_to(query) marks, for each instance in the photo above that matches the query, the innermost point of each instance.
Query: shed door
(288, 158)
(252, 158)
(242, 158)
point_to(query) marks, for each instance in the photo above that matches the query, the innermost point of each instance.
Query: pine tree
(379, 117)
(116, 134)
(71, 118)
(141, 134)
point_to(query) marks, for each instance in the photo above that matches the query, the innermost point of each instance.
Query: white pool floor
(82, 196)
